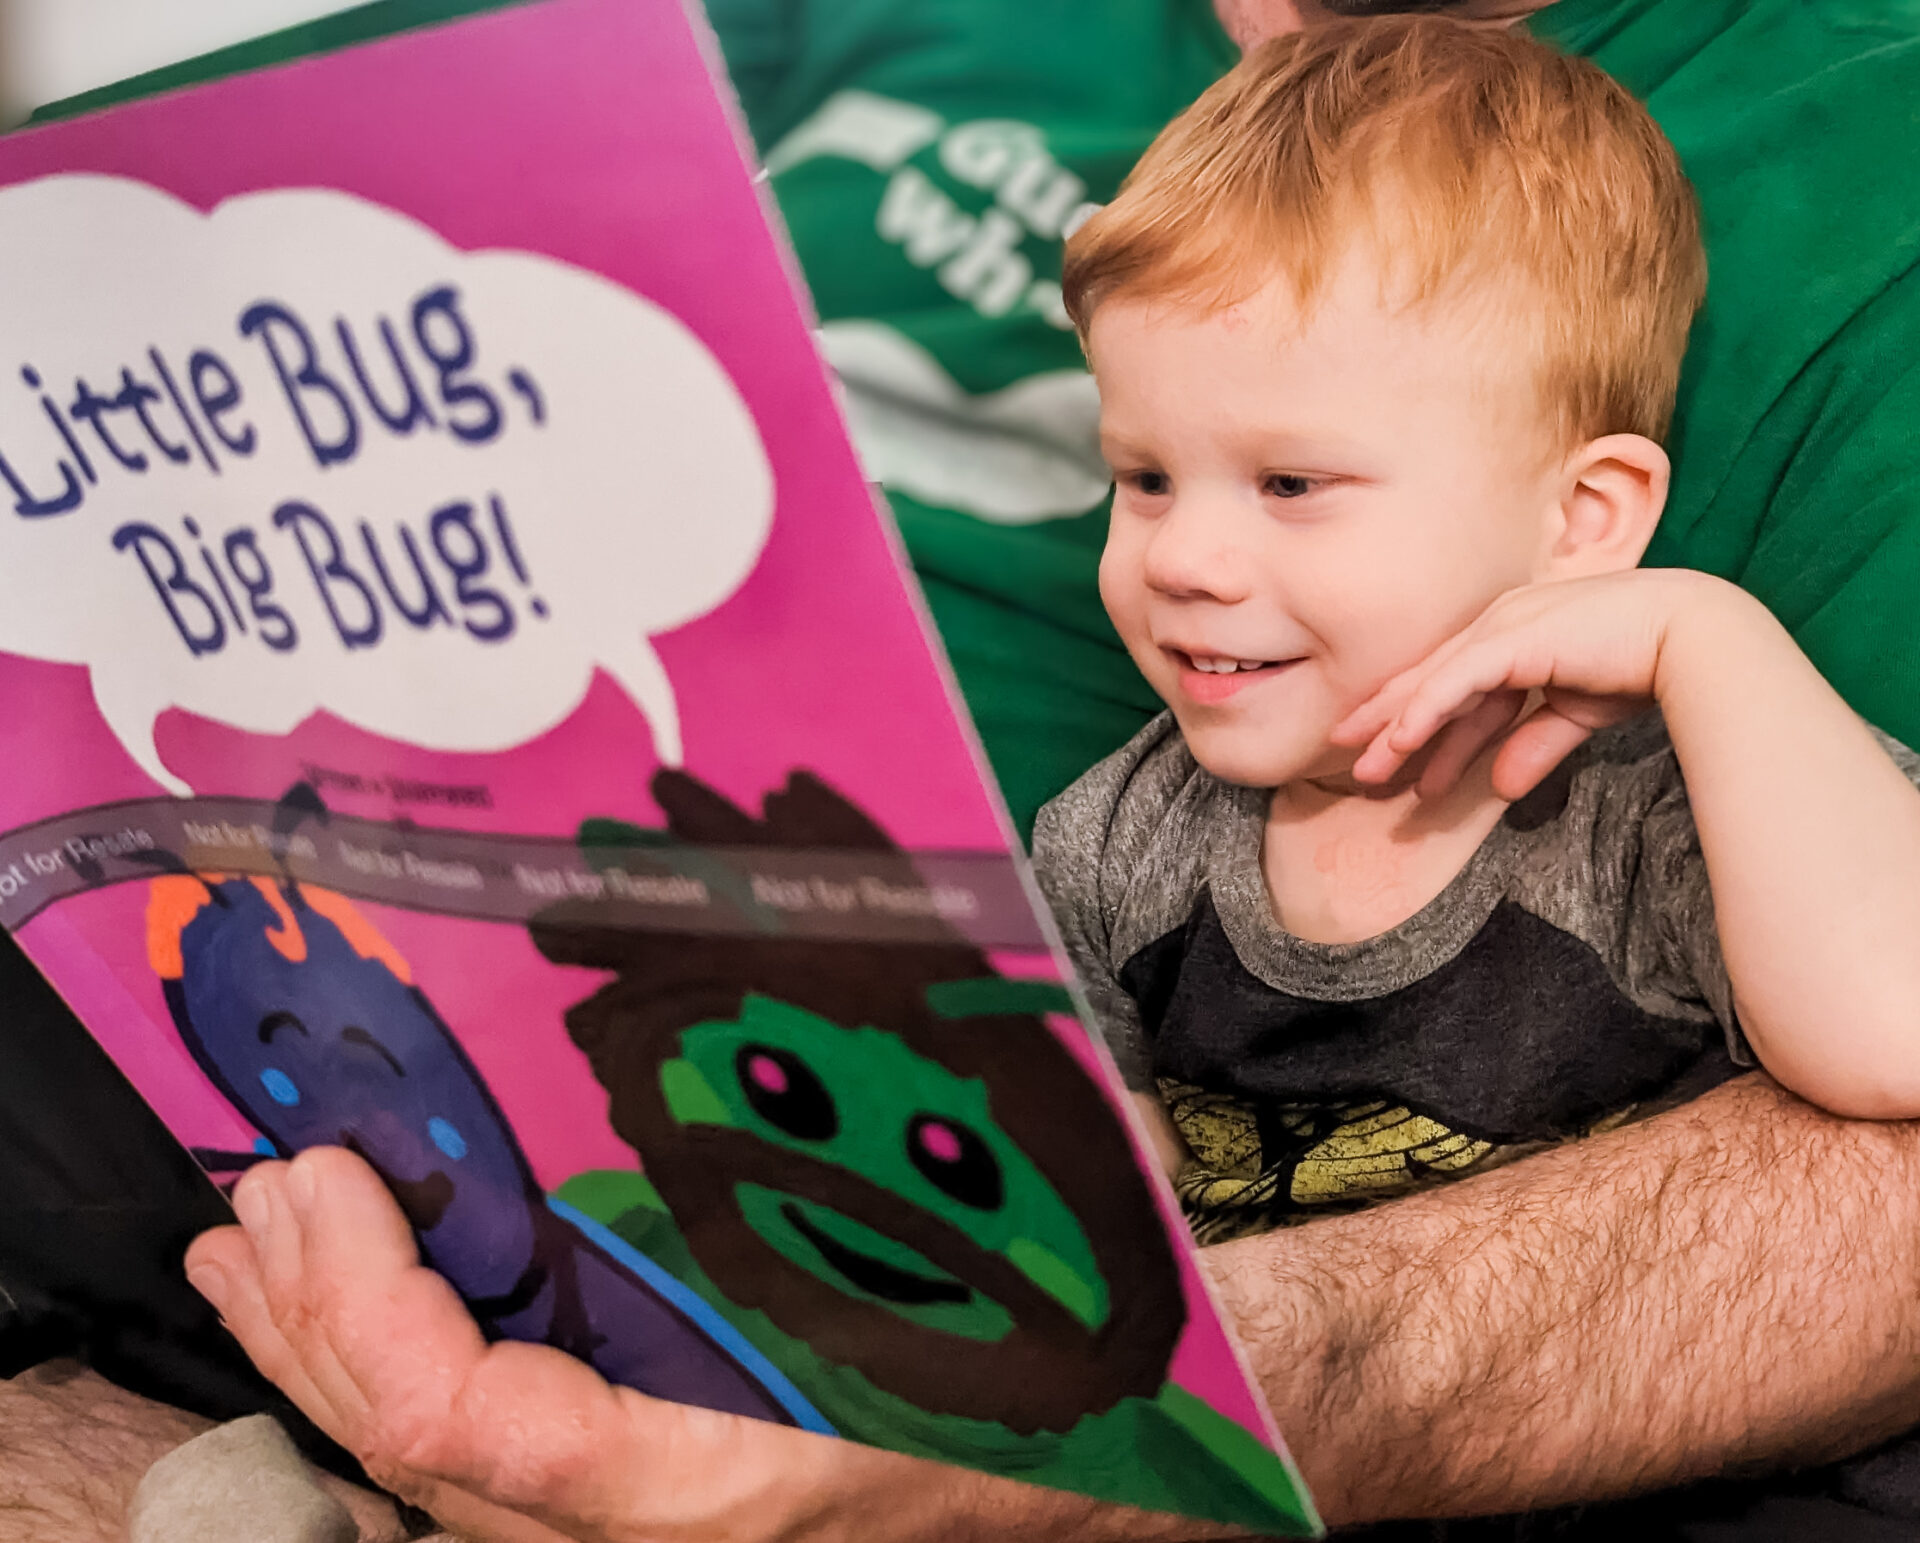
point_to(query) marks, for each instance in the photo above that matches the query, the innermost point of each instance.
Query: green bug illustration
(880, 1163)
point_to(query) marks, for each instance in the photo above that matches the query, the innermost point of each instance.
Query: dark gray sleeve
(1673, 928)
(1673, 943)
(1071, 858)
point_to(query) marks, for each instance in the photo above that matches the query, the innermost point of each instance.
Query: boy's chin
(1251, 761)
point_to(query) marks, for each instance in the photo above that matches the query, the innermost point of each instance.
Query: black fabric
(1522, 1036)
(97, 1207)
(1790, 1509)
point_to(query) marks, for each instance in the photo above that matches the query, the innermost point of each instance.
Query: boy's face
(1327, 502)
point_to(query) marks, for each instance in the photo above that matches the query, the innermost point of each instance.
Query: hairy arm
(1686, 1296)
(73, 1449)
(1681, 1297)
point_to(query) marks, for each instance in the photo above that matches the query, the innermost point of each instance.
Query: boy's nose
(1194, 554)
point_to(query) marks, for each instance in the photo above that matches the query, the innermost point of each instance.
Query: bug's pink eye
(940, 1142)
(767, 1073)
(955, 1161)
(783, 1091)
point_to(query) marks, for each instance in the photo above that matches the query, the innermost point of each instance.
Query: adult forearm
(72, 1450)
(1731, 1285)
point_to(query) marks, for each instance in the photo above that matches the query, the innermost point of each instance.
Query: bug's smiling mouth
(874, 1276)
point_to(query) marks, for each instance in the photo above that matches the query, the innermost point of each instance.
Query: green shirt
(1797, 437)
(928, 156)
(1796, 444)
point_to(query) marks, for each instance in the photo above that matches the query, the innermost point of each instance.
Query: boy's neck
(1345, 863)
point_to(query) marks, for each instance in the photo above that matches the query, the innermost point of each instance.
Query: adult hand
(323, 1286)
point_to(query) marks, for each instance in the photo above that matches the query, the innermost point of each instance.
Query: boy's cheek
(1120, 581)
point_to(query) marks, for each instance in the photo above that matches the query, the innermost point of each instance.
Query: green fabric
(381, 18)
(1169, 1453)
(1795, 438)
(1796, 445)
(1028, 109)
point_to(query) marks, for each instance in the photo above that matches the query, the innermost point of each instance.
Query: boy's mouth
(1215, 677)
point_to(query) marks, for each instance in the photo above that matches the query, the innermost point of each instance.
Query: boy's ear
(1611, 495)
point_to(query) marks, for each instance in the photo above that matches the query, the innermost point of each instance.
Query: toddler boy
(1463, 834)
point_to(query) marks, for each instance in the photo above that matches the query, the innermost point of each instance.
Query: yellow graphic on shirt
(1243, 1179)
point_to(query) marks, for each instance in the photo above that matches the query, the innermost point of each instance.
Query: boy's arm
(1811, 834)
(1810, 831)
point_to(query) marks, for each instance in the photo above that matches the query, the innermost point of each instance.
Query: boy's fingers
(1376, 713)
(1393, 747)
(1456, 687)
(1462, 741)
(1389, 703)
(1533, 750)
(1379, 760)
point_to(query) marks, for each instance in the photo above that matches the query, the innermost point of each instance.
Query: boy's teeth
(1225, 666)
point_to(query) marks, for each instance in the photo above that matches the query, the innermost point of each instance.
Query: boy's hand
(1592, 648)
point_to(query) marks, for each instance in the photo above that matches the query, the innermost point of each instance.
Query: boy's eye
(1286, 484)
(1149, 484)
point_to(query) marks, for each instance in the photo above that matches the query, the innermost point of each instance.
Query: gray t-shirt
(1567, 979)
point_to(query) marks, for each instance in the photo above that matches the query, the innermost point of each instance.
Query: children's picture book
(462, 704)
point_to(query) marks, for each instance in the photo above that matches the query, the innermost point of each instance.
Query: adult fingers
(316, 1276)
(260, 1201)
(325, 1252)
(222, 1267)
(378, 1332)
(490, 1438)
(324, 1290)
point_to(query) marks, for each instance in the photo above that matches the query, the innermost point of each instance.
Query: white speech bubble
(636, 491)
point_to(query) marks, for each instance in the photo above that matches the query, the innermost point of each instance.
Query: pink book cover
(462, 704)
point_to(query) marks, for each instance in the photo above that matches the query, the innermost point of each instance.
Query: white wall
(53, 48)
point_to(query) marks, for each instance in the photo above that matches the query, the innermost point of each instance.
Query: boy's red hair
(1470, 157)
